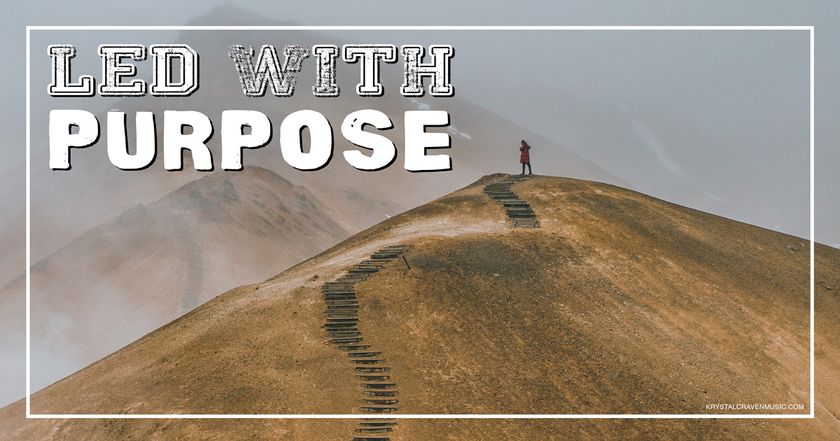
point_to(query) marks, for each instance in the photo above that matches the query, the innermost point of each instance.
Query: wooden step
(372, 369)
(339, 297)
(365, 270)
(342, 302)
(342, 314)
(368, 361)
(343, 340)
(380, 393)
(352, 307)
(379, 386)
(373, 377)
(379, 409)
(364, 354)
(381, 401)
(375, 423)
(353, 347)
(340, 325)
(343, 333)
(374, 430)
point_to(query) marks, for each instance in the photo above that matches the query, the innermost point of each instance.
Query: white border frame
(810, 415)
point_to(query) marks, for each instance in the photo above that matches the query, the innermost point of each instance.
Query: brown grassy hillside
(619, 303)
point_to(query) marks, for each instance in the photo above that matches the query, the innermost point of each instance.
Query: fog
(717, 121)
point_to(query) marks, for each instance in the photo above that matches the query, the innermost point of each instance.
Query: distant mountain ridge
(157, 261)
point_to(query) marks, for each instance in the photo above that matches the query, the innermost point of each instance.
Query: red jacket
(523, 154)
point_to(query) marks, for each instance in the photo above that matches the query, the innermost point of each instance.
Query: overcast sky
(662, 113)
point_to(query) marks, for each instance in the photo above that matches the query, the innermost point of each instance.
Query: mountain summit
(609, 302)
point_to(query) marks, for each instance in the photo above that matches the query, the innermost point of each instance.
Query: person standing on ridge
(524, 157)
